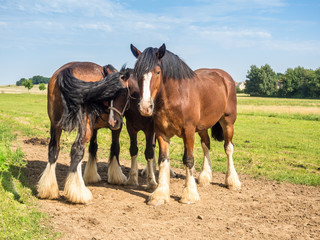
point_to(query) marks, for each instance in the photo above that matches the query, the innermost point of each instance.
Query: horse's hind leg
(232, 180)
(205, 176)
(75, 190)
(47, 186)
(115, 175)
(90, 172)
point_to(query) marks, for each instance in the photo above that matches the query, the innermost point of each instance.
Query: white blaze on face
(146, 95)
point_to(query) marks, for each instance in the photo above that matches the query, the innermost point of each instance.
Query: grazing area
(276, 155)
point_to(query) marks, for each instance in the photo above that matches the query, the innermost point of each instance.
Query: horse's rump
(80, 97)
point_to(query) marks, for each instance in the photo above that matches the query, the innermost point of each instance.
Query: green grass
(270, 143)
(19, 216)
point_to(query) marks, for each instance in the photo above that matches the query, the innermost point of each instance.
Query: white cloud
(97, 26)
(3, 24)
(294, 46)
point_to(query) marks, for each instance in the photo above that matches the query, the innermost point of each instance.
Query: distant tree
(39, 79)
(19, 83)
(315, 84)
(28, 84)
(42, 86)
(261, 81)
(35, 80)
(300, 83)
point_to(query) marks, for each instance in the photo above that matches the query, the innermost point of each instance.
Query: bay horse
(182, 102)
(79, 96)
(135, 122)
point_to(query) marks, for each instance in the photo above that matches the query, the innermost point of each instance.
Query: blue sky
(37, 37)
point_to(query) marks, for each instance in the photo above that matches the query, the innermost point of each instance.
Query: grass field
(19, 216)
(269, 143)
(275, 139)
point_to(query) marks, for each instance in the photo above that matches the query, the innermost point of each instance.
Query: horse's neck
(171, 92)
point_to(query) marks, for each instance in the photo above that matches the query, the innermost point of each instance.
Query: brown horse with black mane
(83, 105)
(182, 102)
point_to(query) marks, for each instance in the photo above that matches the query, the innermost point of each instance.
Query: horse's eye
(158, 73)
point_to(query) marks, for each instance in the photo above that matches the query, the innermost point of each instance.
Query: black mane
(172, 66)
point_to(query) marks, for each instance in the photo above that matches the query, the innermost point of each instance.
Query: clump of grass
(19, 216)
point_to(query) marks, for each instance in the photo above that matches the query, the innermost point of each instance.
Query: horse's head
(121, 102)
(148, 72)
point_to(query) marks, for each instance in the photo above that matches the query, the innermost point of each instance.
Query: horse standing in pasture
(83, 105)
(182, 102)
(135, 122)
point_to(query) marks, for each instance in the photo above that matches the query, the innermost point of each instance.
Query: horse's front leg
(115, 175)
(162, 193)
(150, 156)
(133, 175)
(205, 176)
(190, 192)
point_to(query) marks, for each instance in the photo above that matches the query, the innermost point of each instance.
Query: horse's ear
(109, 69)
(161, 51)
(125, 78)
(135, 51)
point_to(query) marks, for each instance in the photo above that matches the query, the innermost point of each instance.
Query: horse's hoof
(234, 187)
(158, 197)
(189, 196)
(152, 186)
(233, 182)
(89, 179)
(132, 182)
(205, 179)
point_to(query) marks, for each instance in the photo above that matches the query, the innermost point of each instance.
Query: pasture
(274, 139)
(276, 144)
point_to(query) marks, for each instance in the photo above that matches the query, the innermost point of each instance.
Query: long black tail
(78, 95)
(217, 132)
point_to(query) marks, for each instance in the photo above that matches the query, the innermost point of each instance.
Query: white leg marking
(205, 176)
(162, 193)
(47, 186)
(154, 166)
(90, 172)
(232, 179)
(190, 192)
(115, 175)
(75, 190)
(151, 178)
(133, 175)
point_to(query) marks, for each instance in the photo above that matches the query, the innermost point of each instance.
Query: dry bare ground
(261, 210)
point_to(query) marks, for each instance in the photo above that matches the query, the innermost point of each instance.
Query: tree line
(35, 80)
(294, 83)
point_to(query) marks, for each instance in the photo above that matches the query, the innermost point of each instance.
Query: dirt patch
(36, 141)
(261, 210)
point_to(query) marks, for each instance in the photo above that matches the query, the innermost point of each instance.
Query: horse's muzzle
(113, 123)
(146, 107)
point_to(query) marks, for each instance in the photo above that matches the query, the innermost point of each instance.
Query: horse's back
(221, 90)
(86, 71)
